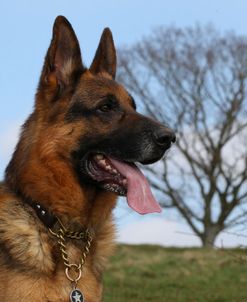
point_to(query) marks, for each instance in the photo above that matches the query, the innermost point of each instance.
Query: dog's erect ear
(63, 61)
(105, 57)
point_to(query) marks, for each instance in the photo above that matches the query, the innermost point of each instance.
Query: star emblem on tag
(76, 296)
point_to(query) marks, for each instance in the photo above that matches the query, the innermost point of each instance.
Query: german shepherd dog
(76, 153)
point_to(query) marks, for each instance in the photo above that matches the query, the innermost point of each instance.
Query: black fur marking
(79, 110)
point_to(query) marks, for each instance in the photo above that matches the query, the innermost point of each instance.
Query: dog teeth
(108, 168)
(114, 171)
(123, 182)
(102, 162)
(99, 156)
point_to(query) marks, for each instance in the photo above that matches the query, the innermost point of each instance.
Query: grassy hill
(152, 273)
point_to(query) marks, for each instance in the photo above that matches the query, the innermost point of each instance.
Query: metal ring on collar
(76, 268)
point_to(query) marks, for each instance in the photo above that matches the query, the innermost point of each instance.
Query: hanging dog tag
(76, 296)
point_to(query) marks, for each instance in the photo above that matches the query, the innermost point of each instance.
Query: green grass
(152, 273)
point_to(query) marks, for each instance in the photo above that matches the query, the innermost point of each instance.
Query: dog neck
(56, 187)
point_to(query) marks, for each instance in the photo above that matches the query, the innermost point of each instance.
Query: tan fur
(48, 167)
(32, 248)
(31, 268)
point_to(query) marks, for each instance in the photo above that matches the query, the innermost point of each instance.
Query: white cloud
(8, 139)
(232, 239)
(157, 231)
(170, 233)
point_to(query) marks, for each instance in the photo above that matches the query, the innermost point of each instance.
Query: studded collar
(46, 216)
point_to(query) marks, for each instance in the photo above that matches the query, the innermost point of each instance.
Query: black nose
(164, 137)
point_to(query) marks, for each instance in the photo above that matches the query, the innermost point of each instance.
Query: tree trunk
(209, 236)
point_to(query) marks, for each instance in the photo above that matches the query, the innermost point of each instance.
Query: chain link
(62, 246)
(64, 233)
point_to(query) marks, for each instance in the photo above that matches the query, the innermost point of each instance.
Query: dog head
(90, 121)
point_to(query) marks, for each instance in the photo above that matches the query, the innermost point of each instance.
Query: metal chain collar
(73, 271)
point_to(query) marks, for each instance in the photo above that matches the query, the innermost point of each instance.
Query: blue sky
(25, 31)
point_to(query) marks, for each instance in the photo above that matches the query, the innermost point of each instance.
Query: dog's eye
(107, 106)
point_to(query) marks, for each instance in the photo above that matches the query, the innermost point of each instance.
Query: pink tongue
(139, 195)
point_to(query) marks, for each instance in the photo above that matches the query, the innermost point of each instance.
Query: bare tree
(194, 80)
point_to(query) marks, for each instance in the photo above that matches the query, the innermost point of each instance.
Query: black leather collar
(46, 216)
